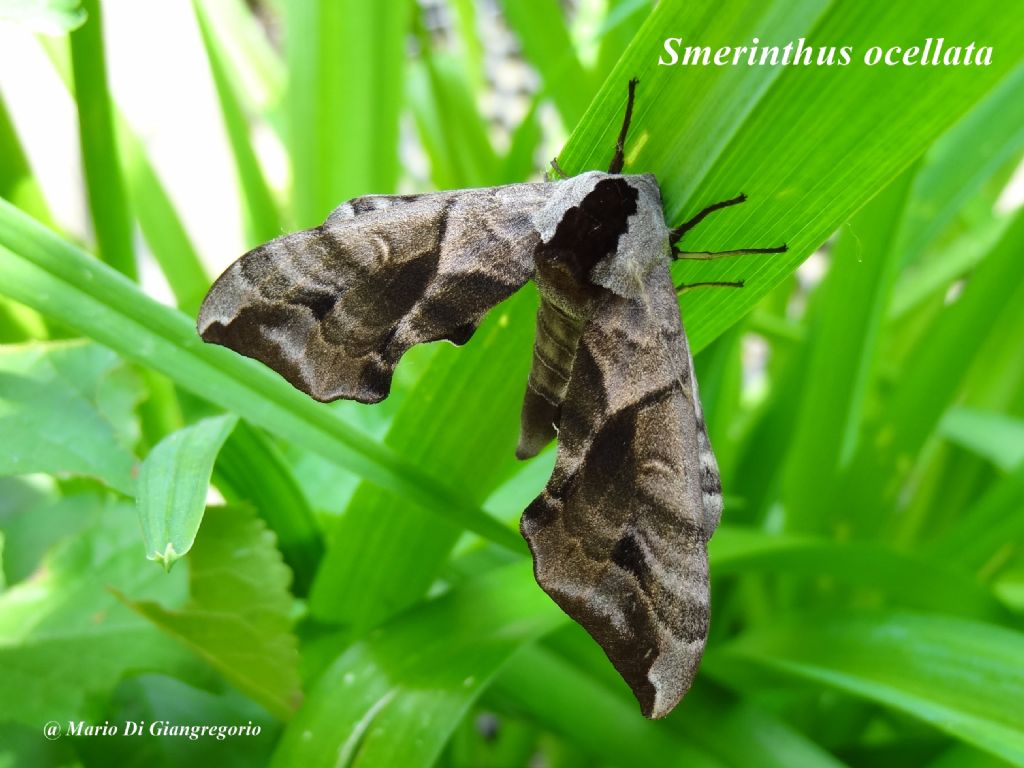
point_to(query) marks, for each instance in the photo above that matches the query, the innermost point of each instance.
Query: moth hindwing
(619, 534)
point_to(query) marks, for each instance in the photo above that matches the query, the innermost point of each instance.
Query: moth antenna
(620, 145)
(676, 234)
(557, 170)
(709, 255)
(685, 287)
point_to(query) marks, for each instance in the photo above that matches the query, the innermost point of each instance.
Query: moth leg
(709, 255)
(686, 287)
(675, 235)
(557, 169)
(620, 145)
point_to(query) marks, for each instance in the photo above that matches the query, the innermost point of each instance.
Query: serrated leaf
(239, 616)
(67, 407)
(173, 483)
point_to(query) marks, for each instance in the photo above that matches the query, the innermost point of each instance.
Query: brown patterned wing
(619, 535)
(332, 309)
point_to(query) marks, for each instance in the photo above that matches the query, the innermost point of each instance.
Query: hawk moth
(619, 534)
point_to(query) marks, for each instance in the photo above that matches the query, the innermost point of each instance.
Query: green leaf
(995, 436)
(173, 483)
(250, 469)
(262, 219)
(51, 275)
(904, 578)
(346, 62)
(108, 203)
(962, 677)
(992, 529)
(395, 697)
(848, 314)
(806, 159)
(65, 636)
(51, 17)
(67, 407)
(239, 616)
(604, 725)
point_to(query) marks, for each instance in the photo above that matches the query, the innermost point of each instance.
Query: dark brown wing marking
(619, 535)
(332, 309)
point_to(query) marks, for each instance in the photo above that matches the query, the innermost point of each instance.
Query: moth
(619, 534)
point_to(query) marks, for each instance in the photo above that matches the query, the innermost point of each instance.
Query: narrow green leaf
(395, 697)
(995, 436)
(991, 529)
(51, 17)
(239, 616)
(159, 221)
(903, 578)
(17, 183)
(163, 229)
(848, 313)
(962, 677)
(173, 483)
(967, 156)
(262, 219)
(52, 276)
(108, 203)
(346, 63)
(936, 366)
(57, 416)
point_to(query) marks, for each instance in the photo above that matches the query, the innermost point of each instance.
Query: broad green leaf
(66, 638)
(962, 677)
(395, 697)
(67, 407)
(805, 158)
(108, 202)
(239, 616)
(49, 274)
(173, 482)
(51, 17)
(997, 437)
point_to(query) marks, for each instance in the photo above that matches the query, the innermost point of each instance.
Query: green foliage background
(363, 595)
